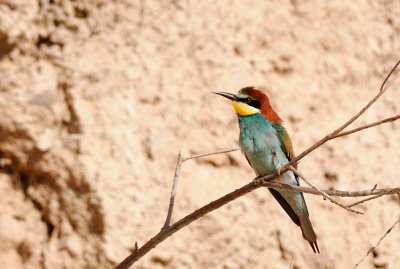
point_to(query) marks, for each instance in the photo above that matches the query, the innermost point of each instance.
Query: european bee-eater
(267, 147)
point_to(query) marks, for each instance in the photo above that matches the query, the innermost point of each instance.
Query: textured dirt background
(98, 97)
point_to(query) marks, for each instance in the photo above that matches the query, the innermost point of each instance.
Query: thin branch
(282, 186)
(173, 191)
(377, 244)
(366, 199)
(208, 154)
(324, 194)
(180, 161)
(387, 85)
(391, 119)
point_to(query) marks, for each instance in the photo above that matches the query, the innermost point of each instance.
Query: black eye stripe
(250, 102)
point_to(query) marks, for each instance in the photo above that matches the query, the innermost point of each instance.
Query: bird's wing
(285, 205)
(301, 220)
(287, 148)
(286, 143)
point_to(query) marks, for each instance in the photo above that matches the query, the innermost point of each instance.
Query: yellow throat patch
(243, 109)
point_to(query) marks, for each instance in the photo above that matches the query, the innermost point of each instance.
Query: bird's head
(249, 101)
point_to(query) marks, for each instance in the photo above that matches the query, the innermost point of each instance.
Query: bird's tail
(308, 232)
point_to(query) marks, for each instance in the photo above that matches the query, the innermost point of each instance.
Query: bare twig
(282, 186)
(377, 244)
(324, 194)
(391, 119)
(173, 191)
(208, 154)
(388, 84)
(181, 160)
(366, 199)
(363, 193)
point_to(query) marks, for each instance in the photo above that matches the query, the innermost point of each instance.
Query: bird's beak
(230, 96)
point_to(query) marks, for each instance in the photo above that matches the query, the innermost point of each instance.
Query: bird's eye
(248, 100)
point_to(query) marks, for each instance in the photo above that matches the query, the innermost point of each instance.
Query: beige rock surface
(98, 97)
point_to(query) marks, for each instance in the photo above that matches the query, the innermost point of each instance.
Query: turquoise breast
(259, 142)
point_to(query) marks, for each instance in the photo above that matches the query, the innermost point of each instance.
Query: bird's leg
(275, 162)
(278, 170)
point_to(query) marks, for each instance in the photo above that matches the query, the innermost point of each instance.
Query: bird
(267, 146)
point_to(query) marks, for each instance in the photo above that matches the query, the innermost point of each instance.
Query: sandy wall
(98, 97)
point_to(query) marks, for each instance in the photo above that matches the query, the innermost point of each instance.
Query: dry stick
(208, 154)
(366, 199)
(176, 179)
(296, 188)
(377, 244)
(391, 119)
(173, 192)
(324, 194)
(164, 233)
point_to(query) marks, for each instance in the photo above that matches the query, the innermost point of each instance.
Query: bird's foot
(256, 180)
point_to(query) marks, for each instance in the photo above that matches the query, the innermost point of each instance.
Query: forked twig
(377, 244)
(181, 160)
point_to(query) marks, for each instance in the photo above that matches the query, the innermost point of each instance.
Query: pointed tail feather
(308, 232)
(301, 220)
